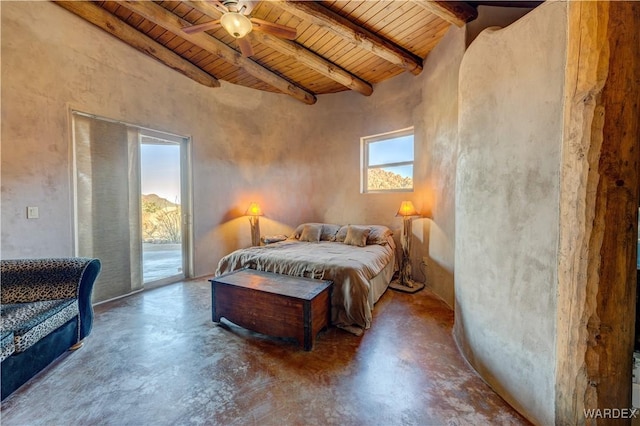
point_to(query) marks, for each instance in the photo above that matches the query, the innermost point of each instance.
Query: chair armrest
(85, 291)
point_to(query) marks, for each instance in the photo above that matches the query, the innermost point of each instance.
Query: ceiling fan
(238, 25)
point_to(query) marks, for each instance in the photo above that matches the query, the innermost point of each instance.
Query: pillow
(311, 233)
(357, 235)
(379, 234)
(329, 231)
(298, 230)
(342, 234)
(296, 234)
(327, 234)
(269, 239)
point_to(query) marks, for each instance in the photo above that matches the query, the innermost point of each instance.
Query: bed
(359, 259)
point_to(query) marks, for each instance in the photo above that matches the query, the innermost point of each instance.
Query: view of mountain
(161, 220)
(157, 200)
(381, 179)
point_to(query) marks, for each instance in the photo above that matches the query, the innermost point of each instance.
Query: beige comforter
(349, 267)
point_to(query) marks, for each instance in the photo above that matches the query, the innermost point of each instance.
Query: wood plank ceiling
(340, 45)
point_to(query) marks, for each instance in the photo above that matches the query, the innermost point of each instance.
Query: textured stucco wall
(493, 16)
(429, 103)
(337, 124)
(246, 143)
(510, 130)
(441, 143)
(301, 163)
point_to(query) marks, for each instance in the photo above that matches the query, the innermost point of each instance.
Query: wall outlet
(33, 213)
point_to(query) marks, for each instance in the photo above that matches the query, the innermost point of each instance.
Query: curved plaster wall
(246, 144)
(507, 210)
(301, 163)
(429, 103)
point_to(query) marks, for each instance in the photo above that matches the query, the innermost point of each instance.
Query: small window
(387, 162)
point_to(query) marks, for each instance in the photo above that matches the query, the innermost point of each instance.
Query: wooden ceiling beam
(297, 51)
(454, 12)
(167, 20)
(116, 27)
(328, 20)
(314, 62)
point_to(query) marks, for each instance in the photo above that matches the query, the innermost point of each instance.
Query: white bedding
(352, 270)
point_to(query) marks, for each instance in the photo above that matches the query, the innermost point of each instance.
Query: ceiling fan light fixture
(236, 24)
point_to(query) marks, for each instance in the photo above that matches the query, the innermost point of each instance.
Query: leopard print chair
(45, 309)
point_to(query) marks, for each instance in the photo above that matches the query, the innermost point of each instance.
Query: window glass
(391, 151)
(388, 162)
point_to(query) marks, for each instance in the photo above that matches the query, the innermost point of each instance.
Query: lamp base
(410, 287)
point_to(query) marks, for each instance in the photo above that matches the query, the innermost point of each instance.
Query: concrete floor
(156, 358)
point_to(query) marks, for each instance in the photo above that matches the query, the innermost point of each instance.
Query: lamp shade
(254, 210)
(407, 209)
(236, 24)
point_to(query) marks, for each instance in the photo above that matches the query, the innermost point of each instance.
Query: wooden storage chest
(273, 304)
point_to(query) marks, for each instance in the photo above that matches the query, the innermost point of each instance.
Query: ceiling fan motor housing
(232, 5)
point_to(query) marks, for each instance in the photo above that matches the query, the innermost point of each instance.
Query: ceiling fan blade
(245, 47)
(274, 29)
(202, 27)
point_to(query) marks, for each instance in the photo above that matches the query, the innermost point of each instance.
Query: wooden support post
(598, 211)
(255, 230)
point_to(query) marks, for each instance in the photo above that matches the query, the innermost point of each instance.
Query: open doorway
(164, 213)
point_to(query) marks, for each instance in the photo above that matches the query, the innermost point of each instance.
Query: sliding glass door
(132, 204)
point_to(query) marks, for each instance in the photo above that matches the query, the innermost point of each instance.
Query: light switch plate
(33, 213)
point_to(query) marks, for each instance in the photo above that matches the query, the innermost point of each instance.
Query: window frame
(365, 141)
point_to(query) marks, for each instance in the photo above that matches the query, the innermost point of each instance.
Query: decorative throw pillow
(298, 231)
(270, 239)
(311, 233)
(329, 232)
(379, 234)
(342, 234)
(357, 236)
